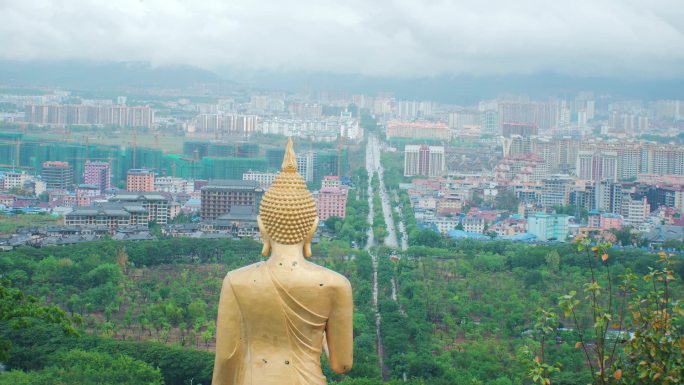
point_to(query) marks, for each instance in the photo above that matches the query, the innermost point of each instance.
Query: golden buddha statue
(276, 317)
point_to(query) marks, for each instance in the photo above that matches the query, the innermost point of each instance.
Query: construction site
(198, 159)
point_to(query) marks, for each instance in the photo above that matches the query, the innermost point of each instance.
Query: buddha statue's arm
(339, 330)
(227, 337)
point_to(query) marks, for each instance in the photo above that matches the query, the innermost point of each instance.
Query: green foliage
(20, 311)
(34, 349)
(462, 313)
(77, 367)
(654, 355)
(506, 200)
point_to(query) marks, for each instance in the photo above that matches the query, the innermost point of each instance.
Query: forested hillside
(456, 312)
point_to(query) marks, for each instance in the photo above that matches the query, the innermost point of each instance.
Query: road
(373, 165)
(402, 228)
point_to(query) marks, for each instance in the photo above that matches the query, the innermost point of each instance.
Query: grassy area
(10, 223)
(165, 142)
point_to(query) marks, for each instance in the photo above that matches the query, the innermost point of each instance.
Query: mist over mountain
(462, 89)
(82, 74)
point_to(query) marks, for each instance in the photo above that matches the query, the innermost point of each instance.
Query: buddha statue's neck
(286, 255)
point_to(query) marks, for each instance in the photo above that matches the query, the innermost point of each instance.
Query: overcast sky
(643, 38)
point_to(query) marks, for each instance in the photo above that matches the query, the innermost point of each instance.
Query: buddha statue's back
(276, 316)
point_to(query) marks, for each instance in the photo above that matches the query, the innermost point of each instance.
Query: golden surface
(275, 317)
(288, 209)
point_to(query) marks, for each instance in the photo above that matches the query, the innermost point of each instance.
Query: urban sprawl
(508, 168)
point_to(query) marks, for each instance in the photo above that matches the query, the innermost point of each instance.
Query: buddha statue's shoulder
(332, 277)
(245, 274)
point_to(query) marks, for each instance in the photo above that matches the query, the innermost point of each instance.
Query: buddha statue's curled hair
(288, 210)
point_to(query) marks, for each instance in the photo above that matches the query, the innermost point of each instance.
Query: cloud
(642, 38)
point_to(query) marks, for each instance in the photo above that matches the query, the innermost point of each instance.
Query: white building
(423, 160)
(548, 226)
(173, 185)
(265, 179)
(306, 162)
(635, 212)
(14, 180)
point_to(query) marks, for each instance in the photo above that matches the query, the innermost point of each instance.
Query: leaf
(578, 345)
(604, 257)
(618, 374)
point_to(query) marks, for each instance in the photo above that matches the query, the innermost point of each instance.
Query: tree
(427, 237)
(21, 311)
(506, 200)
(77, 367)
(553, 261)
(654, 355)
(333, 224)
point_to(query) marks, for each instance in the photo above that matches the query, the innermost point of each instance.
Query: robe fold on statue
(287, 348)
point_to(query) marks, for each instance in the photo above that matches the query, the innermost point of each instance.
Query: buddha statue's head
(287, 214)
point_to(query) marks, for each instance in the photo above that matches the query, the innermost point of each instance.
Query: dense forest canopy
(462, 314)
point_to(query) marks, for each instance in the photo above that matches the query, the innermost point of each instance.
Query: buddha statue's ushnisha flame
(288, 210)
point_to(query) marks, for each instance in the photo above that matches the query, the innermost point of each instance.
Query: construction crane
(135, 145)
(86, 139)
(340, 140)
(17, 152)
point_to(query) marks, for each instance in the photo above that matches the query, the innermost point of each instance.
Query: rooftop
(232, 184)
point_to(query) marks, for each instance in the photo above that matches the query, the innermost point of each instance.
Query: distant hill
(98, 75)
(463, 89)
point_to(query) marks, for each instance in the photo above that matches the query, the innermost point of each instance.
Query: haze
(642, 39)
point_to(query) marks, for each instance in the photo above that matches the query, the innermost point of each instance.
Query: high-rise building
(156, 205)
(523, 129)
(173, 185)
(140, 180)
(628, 156)
(98, 174)
(306, 164)
(14, 180)
(489, 122)
(585, 165)
(556, 190)
(81, 114)
(548, 151)
(331, 199)
(423, 160)
(635, 211)
(544, 115)
(597, 165)
(548, 226)
(418, 130)
(218, 196)
(265, 179)
(608, 196)
(462, 119)
(57, 175)
(516, 145)
(568, 148)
